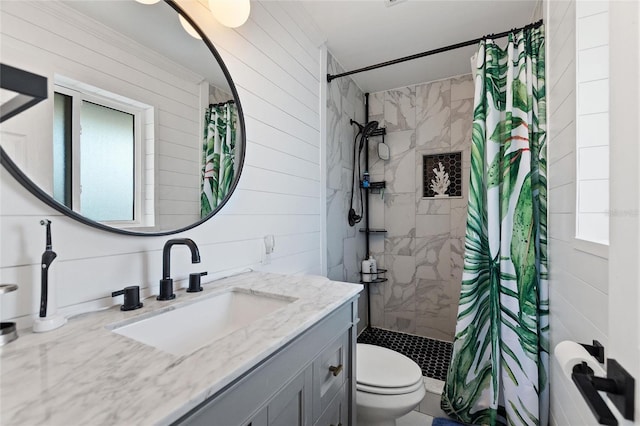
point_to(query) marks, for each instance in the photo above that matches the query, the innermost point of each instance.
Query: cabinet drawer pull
(335, 370)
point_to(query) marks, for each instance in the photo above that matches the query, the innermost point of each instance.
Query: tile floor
(433, 356)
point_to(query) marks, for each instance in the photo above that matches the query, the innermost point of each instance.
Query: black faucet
(166, 283)
(47, 260)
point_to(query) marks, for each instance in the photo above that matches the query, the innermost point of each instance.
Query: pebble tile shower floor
(433, 356)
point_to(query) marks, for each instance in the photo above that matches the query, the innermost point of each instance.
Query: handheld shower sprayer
(363, 132)
(366, 132)
(47, 259)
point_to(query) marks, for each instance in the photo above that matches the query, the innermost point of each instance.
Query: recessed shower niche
(442, 175)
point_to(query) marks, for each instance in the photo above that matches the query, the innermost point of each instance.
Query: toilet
(388, 385)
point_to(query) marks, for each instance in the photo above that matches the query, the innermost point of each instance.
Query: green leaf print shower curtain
(218, 155)
(499, 368)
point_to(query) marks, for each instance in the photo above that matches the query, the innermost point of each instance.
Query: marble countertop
(82, 373)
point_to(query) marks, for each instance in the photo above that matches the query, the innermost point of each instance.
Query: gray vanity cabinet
(288, 407)
(308, 382)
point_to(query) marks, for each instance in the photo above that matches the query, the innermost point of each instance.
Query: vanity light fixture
(186, 25)
(188, 28)
(230, 13)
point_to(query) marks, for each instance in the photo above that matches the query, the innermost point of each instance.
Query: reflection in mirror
(141, 131)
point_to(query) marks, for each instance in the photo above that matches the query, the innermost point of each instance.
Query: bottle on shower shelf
(366, 271)
(365, 180)
(373, 268)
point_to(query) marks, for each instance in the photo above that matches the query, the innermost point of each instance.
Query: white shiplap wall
(578, 279)
(276, 66)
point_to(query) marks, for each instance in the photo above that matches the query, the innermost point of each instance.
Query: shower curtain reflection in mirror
(218, 155)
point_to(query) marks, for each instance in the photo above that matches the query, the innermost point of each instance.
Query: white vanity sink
(182, 329)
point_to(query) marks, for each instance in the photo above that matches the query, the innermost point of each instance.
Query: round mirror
(142, 131)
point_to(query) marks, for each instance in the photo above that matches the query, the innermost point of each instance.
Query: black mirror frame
(32, 187)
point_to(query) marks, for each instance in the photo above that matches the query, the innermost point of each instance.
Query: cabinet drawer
(336, 413)
(330, 371)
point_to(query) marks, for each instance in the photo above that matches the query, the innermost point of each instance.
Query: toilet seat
(389, 391)
(385, 372)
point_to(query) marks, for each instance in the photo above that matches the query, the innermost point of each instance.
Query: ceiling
(156, 27)
(358, 33)
(366, 32)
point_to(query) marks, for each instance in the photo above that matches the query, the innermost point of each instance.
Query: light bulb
(188, 28)
(230, 13)
(148, 1)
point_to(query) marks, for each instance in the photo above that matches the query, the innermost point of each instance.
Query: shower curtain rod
(432, 52)
(230, 101)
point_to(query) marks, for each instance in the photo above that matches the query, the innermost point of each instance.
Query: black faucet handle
(131, 297)
(194, 282)
(166, 290)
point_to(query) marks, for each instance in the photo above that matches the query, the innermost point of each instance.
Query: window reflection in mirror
(107, 152)
(97, 163)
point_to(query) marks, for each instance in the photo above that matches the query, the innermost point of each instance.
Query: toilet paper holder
(596, 350)
(619, 386)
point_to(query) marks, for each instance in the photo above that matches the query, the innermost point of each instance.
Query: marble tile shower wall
(345, 245)
(424, 243)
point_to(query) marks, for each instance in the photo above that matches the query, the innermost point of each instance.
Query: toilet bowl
(388, 385)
